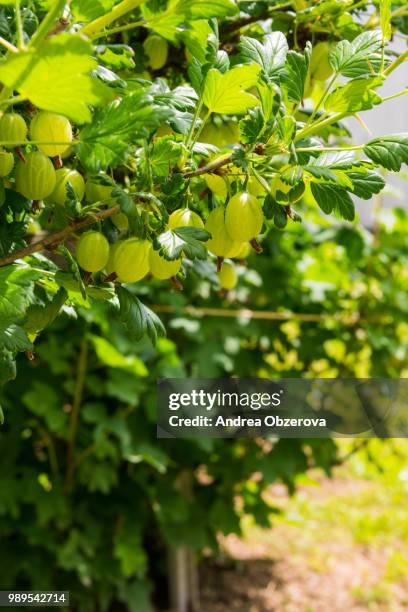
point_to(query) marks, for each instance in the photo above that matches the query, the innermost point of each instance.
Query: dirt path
(335, 550)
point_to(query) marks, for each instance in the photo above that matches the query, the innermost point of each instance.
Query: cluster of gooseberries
(40, 175)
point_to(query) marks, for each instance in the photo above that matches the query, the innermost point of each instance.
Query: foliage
(124, 502)
(88, 500)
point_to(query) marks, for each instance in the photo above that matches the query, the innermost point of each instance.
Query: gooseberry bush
(163, 156)
(141, 138)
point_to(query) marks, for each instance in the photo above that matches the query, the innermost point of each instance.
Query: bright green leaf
(56, 77)
(390, 152)
(225, 93)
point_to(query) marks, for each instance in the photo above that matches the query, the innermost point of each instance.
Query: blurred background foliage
(90, 500)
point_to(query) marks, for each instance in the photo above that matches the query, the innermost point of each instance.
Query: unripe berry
(131, 261)
(51, 127)
(227, 276)
(217, 185)
(96, 192)
(244, 217)
(13, 129)
(220, 243)
(120, 221)
(63, 177)
(156, 49)
(184, 217)
(6, 163)
(35, 178)
(92, 252)
(160, 267)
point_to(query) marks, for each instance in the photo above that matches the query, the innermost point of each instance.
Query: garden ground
(341, 544)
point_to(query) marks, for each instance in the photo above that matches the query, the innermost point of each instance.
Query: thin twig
(246, 313)
(60, 236)
(210, 168)
(73, 423)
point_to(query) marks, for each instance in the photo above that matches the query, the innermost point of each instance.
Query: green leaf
(251, 126)
(356, 95)
(164, 156)
(112, 358)
(12, 236)
(186, 241)
(385, 18)
(204, 9)
(225, 93)
(270, 55)
(390, 152)
(39, 317)
(14, 338)
(56, 77)
(88, 10)
(332, 198)
(138, 318)
(106, 141)
(16, 292)
(8, 370)
(366, 183)
(294, 77)
(362, 57)
(128, 549)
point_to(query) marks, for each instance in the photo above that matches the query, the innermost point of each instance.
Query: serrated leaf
(336, 159)
(390, 152)
(14, 339)
(366, 183)
(138, 318)
(16, 292)
(186, 241)
(56, 77)
(225, 93)
(164, 156)
(332, 198)
(106, 141)
(39, 317)
(73, 268)
(356, 95)
(292, 175)
(362, 57)
(251, 126)
(294, 77)
(270, 55)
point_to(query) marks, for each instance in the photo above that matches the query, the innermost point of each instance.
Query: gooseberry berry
(162, 268)
(51, 128)
(131, 261)
(92, 252)
(243, 217)
(35, 178)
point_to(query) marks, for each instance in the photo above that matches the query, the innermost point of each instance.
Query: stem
(324, 96)
(200, 129)
(400, 60)
(246, 313)
(329, 149)
(8, 45)
(397, 95)
(14, 100)
(73, 422)
(210, 168)
(47, 23)
(58, 237)
(307, 131)
(124, 28)
(19, 26)
(118, 11)
(193, 123)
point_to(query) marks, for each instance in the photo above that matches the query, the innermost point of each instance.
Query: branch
(60, 236)
(246, 313)
(210, 168)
